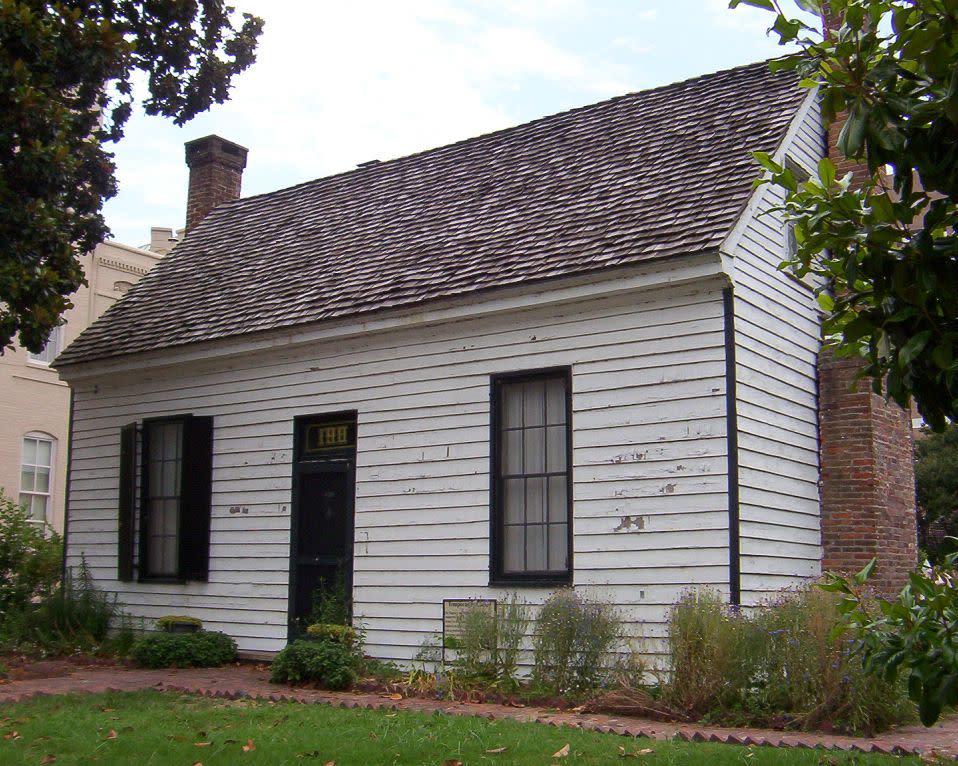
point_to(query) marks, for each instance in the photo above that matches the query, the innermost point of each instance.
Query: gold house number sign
(326, 436)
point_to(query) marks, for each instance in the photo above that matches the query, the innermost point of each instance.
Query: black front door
(322, 526)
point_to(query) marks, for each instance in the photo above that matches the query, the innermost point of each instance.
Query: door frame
(334, 460)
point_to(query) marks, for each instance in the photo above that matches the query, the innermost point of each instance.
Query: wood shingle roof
(647, 175)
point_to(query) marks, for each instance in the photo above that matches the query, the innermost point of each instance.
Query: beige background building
(35, 403)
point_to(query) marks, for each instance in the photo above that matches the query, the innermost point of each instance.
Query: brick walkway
(250, 681)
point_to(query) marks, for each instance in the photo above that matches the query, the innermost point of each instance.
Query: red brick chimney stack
(867, 456)
(216, 175)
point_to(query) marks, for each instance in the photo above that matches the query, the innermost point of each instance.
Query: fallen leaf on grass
(452, 762)
(198, 763)
(497, 750)
(248, 746)
(562, 752)
(112, 734)
(48, 759)
(513, 703)
(202, 744)
(12, 735)
(391, 696)
(623, 753)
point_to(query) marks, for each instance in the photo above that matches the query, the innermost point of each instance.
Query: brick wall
(867, 477)
(216, 175)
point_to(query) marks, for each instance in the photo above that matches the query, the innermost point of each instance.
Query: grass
(152, 729)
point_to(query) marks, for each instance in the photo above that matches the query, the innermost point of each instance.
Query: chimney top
(216, 175)
(212, 148)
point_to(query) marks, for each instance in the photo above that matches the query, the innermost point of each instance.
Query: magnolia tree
(66, 71)
(886, 249)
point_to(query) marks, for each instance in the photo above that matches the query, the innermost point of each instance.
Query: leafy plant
(573, 642)
(915, 635)
(789, 664)
(327, 664)
(66, 89)
(936, 480)
(331, 602)
(76, 617)
(184, 650)
(885, 248)
(30, 559)
(340, 634)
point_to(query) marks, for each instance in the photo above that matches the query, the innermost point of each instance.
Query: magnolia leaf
(562, 752)
(249, 746)
(49, 758)
(497, 750)
(866, 572)
(826, 172)
(913, 348)
(765, 5)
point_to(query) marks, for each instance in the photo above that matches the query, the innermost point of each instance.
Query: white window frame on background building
(32, 467)
(51, 349)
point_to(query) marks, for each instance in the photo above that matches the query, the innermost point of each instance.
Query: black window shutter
(125, 520)
(196, 498)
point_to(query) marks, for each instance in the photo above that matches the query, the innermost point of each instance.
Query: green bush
(916, 633)
(327, 664)
(76, 617)
(789, 664)
(573, 643)
(31, 560)
(488, 647)
(339, 634)
(184, 650)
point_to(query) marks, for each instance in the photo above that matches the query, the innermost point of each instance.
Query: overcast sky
(339, 83)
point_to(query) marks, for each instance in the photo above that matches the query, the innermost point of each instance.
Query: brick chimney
(867, 456)
(216, 175)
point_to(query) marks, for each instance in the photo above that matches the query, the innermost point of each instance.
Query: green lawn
(145, 728)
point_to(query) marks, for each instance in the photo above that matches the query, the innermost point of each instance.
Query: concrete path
(248, 681)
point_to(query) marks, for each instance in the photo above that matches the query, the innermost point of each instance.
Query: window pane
(536, 560)
(555, 401)
(512, 452)
(558, 501)
(534, 403)
(534, 450)
(29, 451)
(42, 480)
(27, 478)
(43, 452)
(555, 448)
(558, 547)
(167, 486)
(515, 502)
(535, 501)
(511, 405)
(513, 545)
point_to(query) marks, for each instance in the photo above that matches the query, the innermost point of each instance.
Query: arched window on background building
(36, 474)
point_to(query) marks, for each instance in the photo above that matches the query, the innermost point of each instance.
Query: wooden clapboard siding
(777, 337)
(649, 442)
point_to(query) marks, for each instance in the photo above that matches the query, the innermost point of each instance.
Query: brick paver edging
(244, 682)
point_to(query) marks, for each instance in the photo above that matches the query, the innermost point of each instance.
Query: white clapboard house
(558, 354)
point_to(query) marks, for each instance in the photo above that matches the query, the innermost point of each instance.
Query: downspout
(731, 430)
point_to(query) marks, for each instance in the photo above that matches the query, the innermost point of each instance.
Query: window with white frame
(36, 475)
(51, 349)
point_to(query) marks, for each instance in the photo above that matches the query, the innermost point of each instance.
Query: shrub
(327, 664)
(488, 647)
(331, 602)
(184, 650)
(916, 633)
(77, 617)
(573, 643)
(344, 635)
(708, 643)
(30, 560)
(791, 664)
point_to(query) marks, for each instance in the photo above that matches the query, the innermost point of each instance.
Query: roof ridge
(380, 165)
